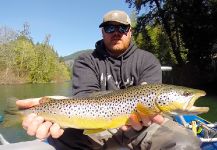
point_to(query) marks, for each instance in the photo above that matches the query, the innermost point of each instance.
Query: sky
(72, 24)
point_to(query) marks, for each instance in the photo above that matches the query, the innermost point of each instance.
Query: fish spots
(152, 97)
(107, 106)
(162, 103)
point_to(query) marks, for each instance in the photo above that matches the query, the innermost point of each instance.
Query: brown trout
(112, 110)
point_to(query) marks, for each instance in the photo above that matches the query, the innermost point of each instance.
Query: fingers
(125, 128)
(55, 131)
(28, 120)
(47, 128)
(138, 120)
(27, 103)
(43, 131)
(159, 119)
(146, 121)
(36, 126)
(134, 122)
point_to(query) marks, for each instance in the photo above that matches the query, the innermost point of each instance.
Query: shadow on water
(11, 126)
(210, 100)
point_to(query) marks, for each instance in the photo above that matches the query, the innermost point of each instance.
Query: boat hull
(208, 136)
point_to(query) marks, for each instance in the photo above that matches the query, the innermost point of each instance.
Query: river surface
(11, 127)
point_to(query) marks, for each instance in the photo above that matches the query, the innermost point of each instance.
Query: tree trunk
(166, 26)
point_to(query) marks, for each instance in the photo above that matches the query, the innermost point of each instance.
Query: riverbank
(12, 79)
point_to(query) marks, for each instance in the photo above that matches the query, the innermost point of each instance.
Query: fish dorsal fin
(44, 99)
(92, 131)
(99, 93)
(140, 108)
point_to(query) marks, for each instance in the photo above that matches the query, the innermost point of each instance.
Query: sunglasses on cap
(109, 28)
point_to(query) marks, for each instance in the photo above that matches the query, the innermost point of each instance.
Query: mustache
(116, 37)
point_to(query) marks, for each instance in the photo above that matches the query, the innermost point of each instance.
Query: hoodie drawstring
(106, 71)
(121, 73)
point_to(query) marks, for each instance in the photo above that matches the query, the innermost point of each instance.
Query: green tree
(21, 59)
(197, 21)
(189, 24)
(47, 67)
(24, 50)
(157, 14)
(7, 55)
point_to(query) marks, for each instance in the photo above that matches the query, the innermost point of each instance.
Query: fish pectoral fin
(134, 116)
(141, 109)
(92, 131)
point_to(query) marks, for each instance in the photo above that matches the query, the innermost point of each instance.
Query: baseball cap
(117, 16)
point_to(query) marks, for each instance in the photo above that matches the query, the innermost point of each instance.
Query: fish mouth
(193, 109)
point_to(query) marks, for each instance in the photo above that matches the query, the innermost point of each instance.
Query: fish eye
(186, 93)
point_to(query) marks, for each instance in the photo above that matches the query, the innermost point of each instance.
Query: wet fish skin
(113, 109)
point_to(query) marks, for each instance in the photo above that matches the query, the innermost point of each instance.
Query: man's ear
(131, 30)
(103, 32)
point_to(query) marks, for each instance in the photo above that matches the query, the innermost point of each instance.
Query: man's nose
(116, 31)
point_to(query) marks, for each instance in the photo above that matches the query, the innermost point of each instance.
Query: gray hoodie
(99, 71)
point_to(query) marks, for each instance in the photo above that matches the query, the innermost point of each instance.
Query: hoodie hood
(101, 50)
(117, 62)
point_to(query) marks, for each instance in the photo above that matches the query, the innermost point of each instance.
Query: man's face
(117, 39)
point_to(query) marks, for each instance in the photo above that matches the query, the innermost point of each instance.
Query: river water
(11, 127)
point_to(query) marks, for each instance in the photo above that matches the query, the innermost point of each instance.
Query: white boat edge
(208, 139)
(166, 68)
(26, 145)
(3, 141)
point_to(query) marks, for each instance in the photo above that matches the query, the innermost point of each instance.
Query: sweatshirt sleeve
(150, 71)
(85, 78)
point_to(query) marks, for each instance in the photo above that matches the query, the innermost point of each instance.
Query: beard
(116, 44)
(116, 49)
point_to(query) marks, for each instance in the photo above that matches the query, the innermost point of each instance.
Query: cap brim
(104, 23)
(101, 25)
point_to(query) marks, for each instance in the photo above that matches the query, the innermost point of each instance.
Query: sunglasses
(112, 28)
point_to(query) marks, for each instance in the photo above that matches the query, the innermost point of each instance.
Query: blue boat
(205, 130)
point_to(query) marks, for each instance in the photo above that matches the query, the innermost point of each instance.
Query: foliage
(189, 26)
(154, 40)
(161, 45)
(197, 21)
(35, 63)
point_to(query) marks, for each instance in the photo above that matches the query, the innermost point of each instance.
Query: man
(116, 63)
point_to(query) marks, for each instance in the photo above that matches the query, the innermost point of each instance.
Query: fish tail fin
(11, 107)
(11, 114)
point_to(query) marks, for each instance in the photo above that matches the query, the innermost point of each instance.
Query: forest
(22, 61)
(182, 34)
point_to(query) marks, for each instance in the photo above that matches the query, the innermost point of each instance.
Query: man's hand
(36, 125)
(138, 121)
